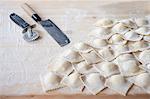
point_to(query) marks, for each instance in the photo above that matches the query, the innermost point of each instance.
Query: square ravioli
(142, 80)
(83, 47)
(72, 56)
(72, 81)
(99, 43)
(120, 49)
(120, 28)
(133, 36)
(51, 81)
(143, 56)
(117, 39)
(91, 57)
(83, 68)
(107, 68)
(61, 66)
(94, 82)
(119, 84)
(106, 53)
(138, 45)
(124, 57)
(101, 33)
(130, 68)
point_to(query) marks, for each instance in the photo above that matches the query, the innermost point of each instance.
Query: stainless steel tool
(49, 26)
(28, 34)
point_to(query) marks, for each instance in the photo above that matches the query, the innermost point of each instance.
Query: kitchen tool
(28, 34)
(49, 26)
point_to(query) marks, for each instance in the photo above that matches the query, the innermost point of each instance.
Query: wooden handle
(31, 12)
(28, 9)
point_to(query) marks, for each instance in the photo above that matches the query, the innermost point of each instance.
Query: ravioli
(132, 36)
(72, 56)
(105, 23)
(83, 47)
(124, 57)
(130, 68)
(119, 84)
(143, 57)
(106, 53)
(102, 33)
(99, 43)
(120, 28)
(83, 68)
(129, 23)
(141, 22)
(61, 66)
(142, 80)
(120, 49)
(143, 30)
(138, 46)
(51, 81)
(117, 39)
(72, 81)
(107, 69)
(91, 57)
(94, 82)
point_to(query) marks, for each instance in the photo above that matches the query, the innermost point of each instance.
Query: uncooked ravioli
(61, 66)
(83, 67)
(141, 21)
(105, 23)
(120, 28)
(145, 56)
(132, 36)
(120, 49)
(117, 39)
(101, 32)
(107, 68)
(106, 53)
(51, 81)
(129, 23)
(91, 57)
(125, 57)
(72, 56)
(94, 82)
(130, 68)
(82, 47)
(138, 46)
(143, 30)
(99, 43)
(72, 81)
(142, 80)
(118, 83)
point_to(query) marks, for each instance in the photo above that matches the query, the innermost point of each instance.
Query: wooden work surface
(21, 63)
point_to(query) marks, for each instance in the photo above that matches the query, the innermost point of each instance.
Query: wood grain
(77, 97)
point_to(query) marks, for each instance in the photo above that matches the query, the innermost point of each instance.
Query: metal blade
(55, 32)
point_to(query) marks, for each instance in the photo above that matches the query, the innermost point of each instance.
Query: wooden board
(21, 63)
(77, 97)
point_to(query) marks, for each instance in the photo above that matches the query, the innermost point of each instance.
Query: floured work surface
(22, 62)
